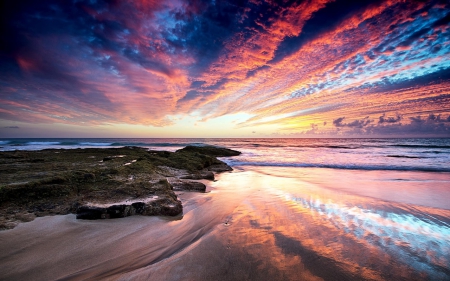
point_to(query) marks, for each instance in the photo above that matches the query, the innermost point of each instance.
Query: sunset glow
(225, 68)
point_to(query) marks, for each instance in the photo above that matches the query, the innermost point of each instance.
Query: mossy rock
(72, 177)
(211, 151)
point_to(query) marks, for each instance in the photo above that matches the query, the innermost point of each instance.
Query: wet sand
(260, 224)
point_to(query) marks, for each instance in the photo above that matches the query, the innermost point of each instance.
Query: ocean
(430, 155)
(292, 209)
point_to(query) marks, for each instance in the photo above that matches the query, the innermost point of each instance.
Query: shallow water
(259, 223)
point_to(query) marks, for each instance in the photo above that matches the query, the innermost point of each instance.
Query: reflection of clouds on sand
(252, 226)
(419, 241)
(352, 236)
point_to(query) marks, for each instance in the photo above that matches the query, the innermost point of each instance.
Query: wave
(95, 143)
(337, 146)
(98, 142)
(340, 166)
(362, 147)
(331, 146)
(43, 143)
(263, 145)
(434, 151)
(54, 143)
(68, 143)
(420, 146)
(405, 156)
(161, 144)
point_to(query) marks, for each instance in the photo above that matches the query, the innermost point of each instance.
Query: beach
(225, 140)
(263, 222)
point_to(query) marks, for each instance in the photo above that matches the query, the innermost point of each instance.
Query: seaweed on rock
(62, 181)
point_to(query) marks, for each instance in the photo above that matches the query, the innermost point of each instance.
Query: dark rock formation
(211, 151)
(179, 184)
(82, 181)
(218, 168)
(161, 207)
(199, 175)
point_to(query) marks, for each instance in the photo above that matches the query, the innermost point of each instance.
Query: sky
(257, 68)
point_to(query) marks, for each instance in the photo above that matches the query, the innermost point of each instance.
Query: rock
(220, 168)
(89, 177)
(91, 213)
(120, 211)
(163, 207)
(211, 151)
(25, 217)
(62, 181)
(139, 207)
(187, 185)
(205, 174)
(172, 172)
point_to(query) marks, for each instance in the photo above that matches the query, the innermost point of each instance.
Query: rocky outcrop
(90, 182)
(211, 151)
(204, 174)
(184, 185)
(158, 207)
(221, 167)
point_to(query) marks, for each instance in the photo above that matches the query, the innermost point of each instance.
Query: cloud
(336, 69)
(338, 122)
(437, 118)
(91, 62)
(321, 21)
(285, 64)
(432, 118)
(383, 119)
(354, 124)
(431, 125)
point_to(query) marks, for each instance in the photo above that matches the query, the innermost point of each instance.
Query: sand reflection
(331, 233)
(260, 224)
